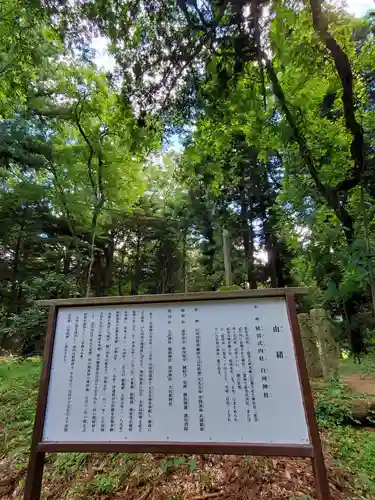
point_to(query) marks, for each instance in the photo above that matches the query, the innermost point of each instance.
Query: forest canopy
(251, 118)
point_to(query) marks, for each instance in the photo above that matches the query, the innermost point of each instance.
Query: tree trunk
(137, 268)
(87, 287)
(96, 274)
(227, 258)
(247, 229)
(352, 306)
(108, 268)
(274, 248)
(247, 237)
(162, 268)
(345, 73)
(271, 250)
(272, 260)
(330, 195)
(185, 280)
(210, 252)
(67, 261)
(283, 276)
(82, 269)
(14, 292)
(121, 273)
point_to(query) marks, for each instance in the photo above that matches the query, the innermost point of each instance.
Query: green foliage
(116, 470)
(18, 391)
(168, 465)
(94, 198)
(355, 451)
(333, 406)
(51, 285)
(104, 484)
(228, 288)
(366, 367)
(68, 464)
(25, 331)
(302, 497)
(94, 201)
(27, 43)
(192, 465)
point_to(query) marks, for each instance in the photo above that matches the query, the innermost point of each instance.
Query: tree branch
(256, 20)
(345, 74)
(91, 149)
(330, 195)
(70, 220)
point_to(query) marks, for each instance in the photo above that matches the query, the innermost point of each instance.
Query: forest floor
(349, 452)
(362, 384)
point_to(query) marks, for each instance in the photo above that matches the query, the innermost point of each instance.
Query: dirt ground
(361, 384)
(220, 478)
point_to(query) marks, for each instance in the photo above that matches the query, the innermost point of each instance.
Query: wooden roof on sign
(175, 297)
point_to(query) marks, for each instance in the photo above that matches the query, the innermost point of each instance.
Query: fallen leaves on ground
(216, 477)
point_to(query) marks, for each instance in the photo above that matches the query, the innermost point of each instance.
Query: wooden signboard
(220, 372)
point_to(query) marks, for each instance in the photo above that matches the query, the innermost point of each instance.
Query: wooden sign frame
(313, 450)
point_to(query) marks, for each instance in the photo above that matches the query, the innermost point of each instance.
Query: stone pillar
(324, 332)
(313, 362)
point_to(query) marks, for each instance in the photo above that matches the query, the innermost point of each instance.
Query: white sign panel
(215, 371)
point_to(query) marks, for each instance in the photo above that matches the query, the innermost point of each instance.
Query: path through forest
(361, 384)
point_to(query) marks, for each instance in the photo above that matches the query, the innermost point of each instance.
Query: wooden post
(226, 255)
(318, 465)
(311, 448)
(33, 487)
(34, 476)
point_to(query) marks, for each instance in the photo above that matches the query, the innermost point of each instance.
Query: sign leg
(319, 468)
(34, 477)
(321, 478)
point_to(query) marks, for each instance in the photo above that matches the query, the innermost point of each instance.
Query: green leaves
(168, 465)
(26, 46)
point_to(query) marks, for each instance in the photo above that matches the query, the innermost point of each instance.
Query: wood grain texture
(175, 297)
(319, 468)
(180, 448)
(312, 450)
(36, 461)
